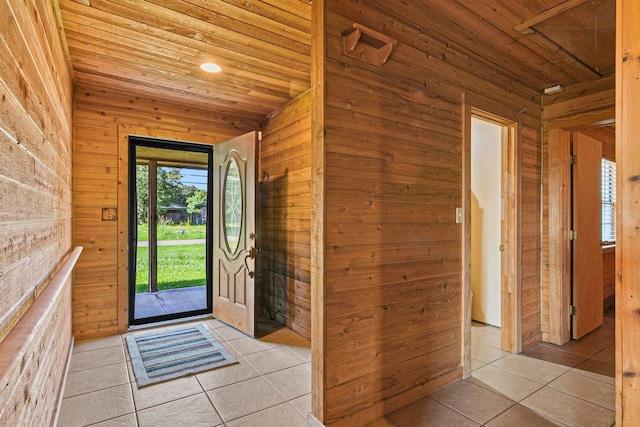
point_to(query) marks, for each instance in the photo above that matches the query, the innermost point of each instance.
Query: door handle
(251, 254)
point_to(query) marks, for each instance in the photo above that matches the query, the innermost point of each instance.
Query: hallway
(547, 385)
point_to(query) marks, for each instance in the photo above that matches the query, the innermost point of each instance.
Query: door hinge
(260, 135)
(573, 235)
(573, 159)
(572, 310)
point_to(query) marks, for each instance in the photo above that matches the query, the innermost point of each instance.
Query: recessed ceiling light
(210, 67)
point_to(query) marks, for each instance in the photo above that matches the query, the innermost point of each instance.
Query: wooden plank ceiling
(154, 47)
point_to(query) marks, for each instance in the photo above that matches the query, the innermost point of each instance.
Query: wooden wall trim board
(466, 237)
(524, 27)
(318, 213)
(628, 214)
(123, 225)
(559, 245)
(511, 317)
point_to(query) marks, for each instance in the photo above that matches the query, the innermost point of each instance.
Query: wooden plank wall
(35, 210)
(578, 107)
(531, 242)
(285, 212)
(393, 177)
(628, 214)
(98, 113)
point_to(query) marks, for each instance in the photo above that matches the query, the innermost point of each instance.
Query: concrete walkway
(176, 242)
(150, 304)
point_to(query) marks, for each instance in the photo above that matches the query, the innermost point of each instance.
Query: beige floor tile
(599, 368)
(597, 371)
(473, 401)
(129, 420)
(283, 415)
(227, 375)
(587, 388)
(88, 380)
(228, 333)
(97, 406)
(215, 323)
(487, 335)
(96, 358)
(531, 368)
(477, 364)
(156, 394)
(192, 411)
(382, 422)
(302, 404)
(568, 409)
(486, 353)
(98, 343)
(607, 355)
(216, 335)
(520, 416)
(507, 384)
(248, 345)
(273, 360)
(586, 346)
(244, 398)
(132, 375)
(286, 336)
(553, 354)
(428, 412)
(303, 352)
(292, 382)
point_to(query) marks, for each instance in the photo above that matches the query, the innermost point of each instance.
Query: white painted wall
(486, 212)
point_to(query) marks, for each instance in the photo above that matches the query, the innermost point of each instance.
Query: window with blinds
(608, 201)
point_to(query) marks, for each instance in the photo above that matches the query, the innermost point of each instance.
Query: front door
(587, 228)
(169, 236)
(234, 225)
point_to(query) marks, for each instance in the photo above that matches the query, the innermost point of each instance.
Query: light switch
(458, 215)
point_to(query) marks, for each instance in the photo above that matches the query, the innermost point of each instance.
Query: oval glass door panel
(232, 218)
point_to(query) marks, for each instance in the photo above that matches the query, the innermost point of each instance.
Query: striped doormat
(164, 355)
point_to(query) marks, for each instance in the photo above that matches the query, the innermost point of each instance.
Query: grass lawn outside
(181, 266)
(173, 232)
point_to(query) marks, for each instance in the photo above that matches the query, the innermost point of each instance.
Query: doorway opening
(486, 221)
(491, 232)
(581, 258)
(169, 230)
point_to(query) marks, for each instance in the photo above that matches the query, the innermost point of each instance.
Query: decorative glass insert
(232, 224)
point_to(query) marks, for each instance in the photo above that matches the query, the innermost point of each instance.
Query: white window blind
(608, 201)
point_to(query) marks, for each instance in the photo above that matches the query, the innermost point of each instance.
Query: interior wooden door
(587, 226)
(234, 232)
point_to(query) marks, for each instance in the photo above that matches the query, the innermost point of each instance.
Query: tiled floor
(270, 386)
(548, 385)
(571, 385)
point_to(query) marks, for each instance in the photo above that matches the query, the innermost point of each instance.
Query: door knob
(251, 254)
